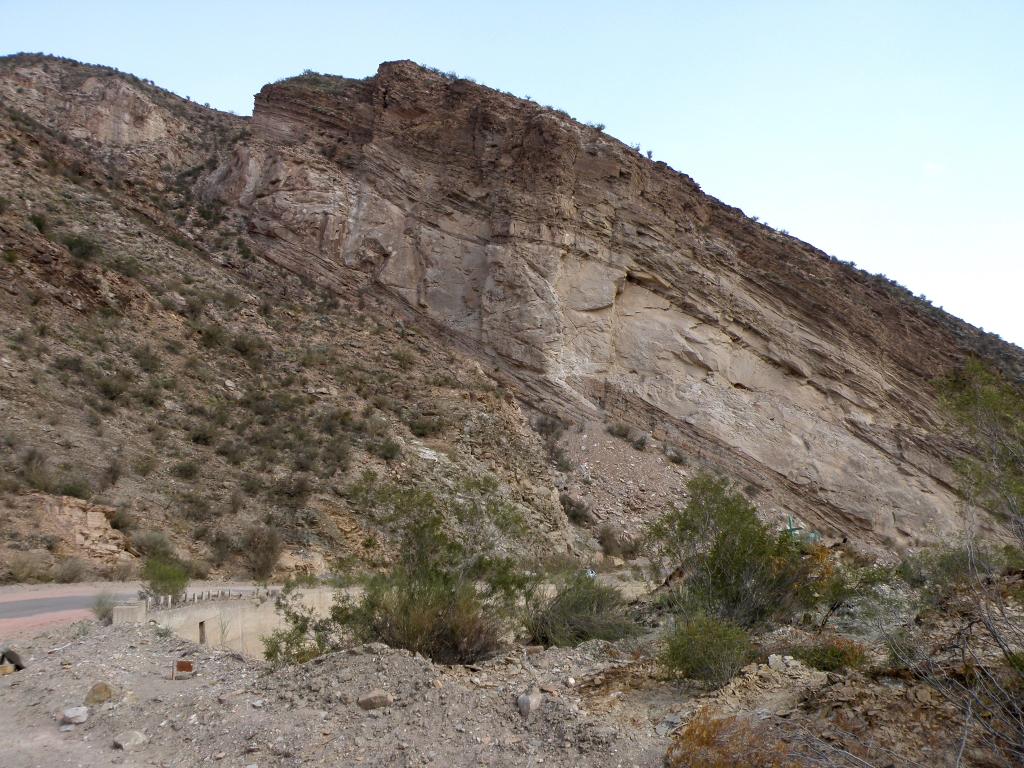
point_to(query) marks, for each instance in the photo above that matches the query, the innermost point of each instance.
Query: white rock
(130, 741)
(530, 702)
(75, 715)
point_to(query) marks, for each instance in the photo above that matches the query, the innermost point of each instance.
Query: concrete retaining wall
(238, 624)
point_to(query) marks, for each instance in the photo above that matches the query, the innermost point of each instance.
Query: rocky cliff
(382, 285)
(609, 286)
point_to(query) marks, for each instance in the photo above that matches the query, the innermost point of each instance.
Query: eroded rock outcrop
(604, 283)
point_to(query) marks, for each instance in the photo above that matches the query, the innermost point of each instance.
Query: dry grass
(727, 743)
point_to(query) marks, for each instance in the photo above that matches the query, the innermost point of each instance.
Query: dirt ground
(236, 712)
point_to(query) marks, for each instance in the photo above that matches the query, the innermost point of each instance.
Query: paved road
(16, 609)
(26, 610)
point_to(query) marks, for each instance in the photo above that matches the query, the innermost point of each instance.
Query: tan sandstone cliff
(606, 284)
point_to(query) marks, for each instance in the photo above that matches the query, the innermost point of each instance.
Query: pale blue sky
(886, 133)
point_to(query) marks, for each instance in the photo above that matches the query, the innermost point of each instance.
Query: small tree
(734, 566)
(163, 575)
(304, 635)
(840, 583)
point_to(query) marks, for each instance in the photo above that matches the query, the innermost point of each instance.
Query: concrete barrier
(236, 621)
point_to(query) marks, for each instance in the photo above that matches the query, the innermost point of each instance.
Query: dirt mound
(246, 713)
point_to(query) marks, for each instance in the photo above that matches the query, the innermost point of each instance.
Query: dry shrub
(582, 609)
(262, 546)
(103, 607)
(577, 510)
(70, 570)
(29, 566)
(726, 743)
(833, 654)
(615, 542)
(123, 571)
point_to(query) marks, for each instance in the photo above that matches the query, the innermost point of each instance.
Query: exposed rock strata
(604, 283)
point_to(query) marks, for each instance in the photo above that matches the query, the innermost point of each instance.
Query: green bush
(424, 613)
(128, 266)
(387, 449)
(203, 433)
(707, 649)
(439, 601)
(833, 654)
(249, 346)
(73, 486)
(162, 575)
(736, 567)
(838, 583)
(145, 464)
(582, 609)
(212, 336)
(940, 572)
(81, 247)
(186, 470)
(425, 426)
(111, 386)
(442, 602)
(147, 360)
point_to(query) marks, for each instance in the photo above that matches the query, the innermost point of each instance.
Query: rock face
(516, 247)
(63, 527)
(602, 284)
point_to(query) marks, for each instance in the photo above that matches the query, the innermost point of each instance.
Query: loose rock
(130, 741)
(75, 715)
(530, 702)
(100, 693)
(376, 699)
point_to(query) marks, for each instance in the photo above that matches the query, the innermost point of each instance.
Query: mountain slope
(610, 286)
(376, 288)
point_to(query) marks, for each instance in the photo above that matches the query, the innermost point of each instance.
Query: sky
(890, 134)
